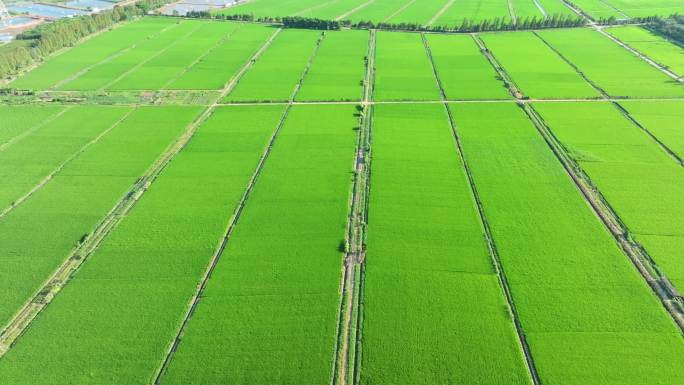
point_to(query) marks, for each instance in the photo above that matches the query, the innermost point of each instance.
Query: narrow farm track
(33, 129)
(440, 12)
(201, 57)
(398, 11)
(17, 202)
(23, 318)
(356, 229)
(641, 56)
(491, 245)
(85, 70)
(236, 215)
(600, 206)
(615, 103)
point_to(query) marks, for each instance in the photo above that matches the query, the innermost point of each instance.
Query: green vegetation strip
(614, 69)
(419, 271)
(535, 68)
(278, 322)
(571, 284)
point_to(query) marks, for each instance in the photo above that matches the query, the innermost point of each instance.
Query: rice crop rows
(644, 8)
(277, 283)
(652, 45)
(403, 70)
(337, 70)
(19, 121)
(275, 75)
(420, 12)
(556, 7)
(434, 312)
(643, 184)
(474, 11)
(139, 281)
(526, 9)
(57, 217)
(536, 70)
(598, 9)
(463, 70)
(572, 286)
(617, 71)
(662, 119)
(379, 10)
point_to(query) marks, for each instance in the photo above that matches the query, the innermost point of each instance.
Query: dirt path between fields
(440, 12)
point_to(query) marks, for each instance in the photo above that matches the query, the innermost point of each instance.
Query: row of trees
(37, 43)
(672, 27)
(497, 24)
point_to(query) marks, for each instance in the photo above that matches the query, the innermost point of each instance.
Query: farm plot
(652, 45)
(262, 8)
(130, 295)
(640, 181)
(338, 69)
(431, 292)
(644, 8)
(277, 285)
(419, 12)
(556, 7)
(537, 71)
(526, 9)
(91, 52)
(331, 10)
(617, 71)
(599, 9)
(276, 73)
(662, 119)
(403, 69)
(464, 72)
(34, 156)
(19, 121)
(380, 10)
(220, 64)
(71, 205)
(172, 61)
(107, 72)
(572, 286)
(474, 11)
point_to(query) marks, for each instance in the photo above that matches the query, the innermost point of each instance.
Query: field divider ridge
(615, 103)
(149, 59)
(33, 129)
(233, 221)
(640, 55)
(202, 56)
(109, 58)
(511, 12)
(512, 88)
(439, 13)
(61, 166)
(580, 12)
(27, 313)
(354, 10)
(489, 238)
(645, 265)
(354, 239)
(398, 11)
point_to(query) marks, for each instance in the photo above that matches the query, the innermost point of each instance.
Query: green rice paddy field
(190, 201)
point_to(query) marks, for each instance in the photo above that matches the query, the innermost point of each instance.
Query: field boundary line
(61, 166)
(511, 12)
(109, 58)
(579, 12)
(541, 9)
(233, 221)
(640, 55)
(509, 83)
(149, 59)
(209, 50)
(439, 13)
(656, 280)
(354, 10)
(398, 11)
(616, 9)
(35, 128)
(489, 237)
(615, 103)
(43, 297)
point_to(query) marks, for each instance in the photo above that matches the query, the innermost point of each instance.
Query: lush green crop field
(663, 119)
(431, 293)
(380, 10)
(403, 69)
(652, 45)
(526, 9)
(106, 45)
(276, 73)
(535, 68)
(421, 12)
(338, 69)
(474, 10)
(18, 121)
(640, 181)
(131, 294)
(572, 285)
(331, 10)
(643, 8)
(272, 7)
(463, 71)
(170, 62)
(277, 284)
(221, 63)
(555, 7)
(72, 204)
(32, 157)
(598, 9)
(611, 67)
